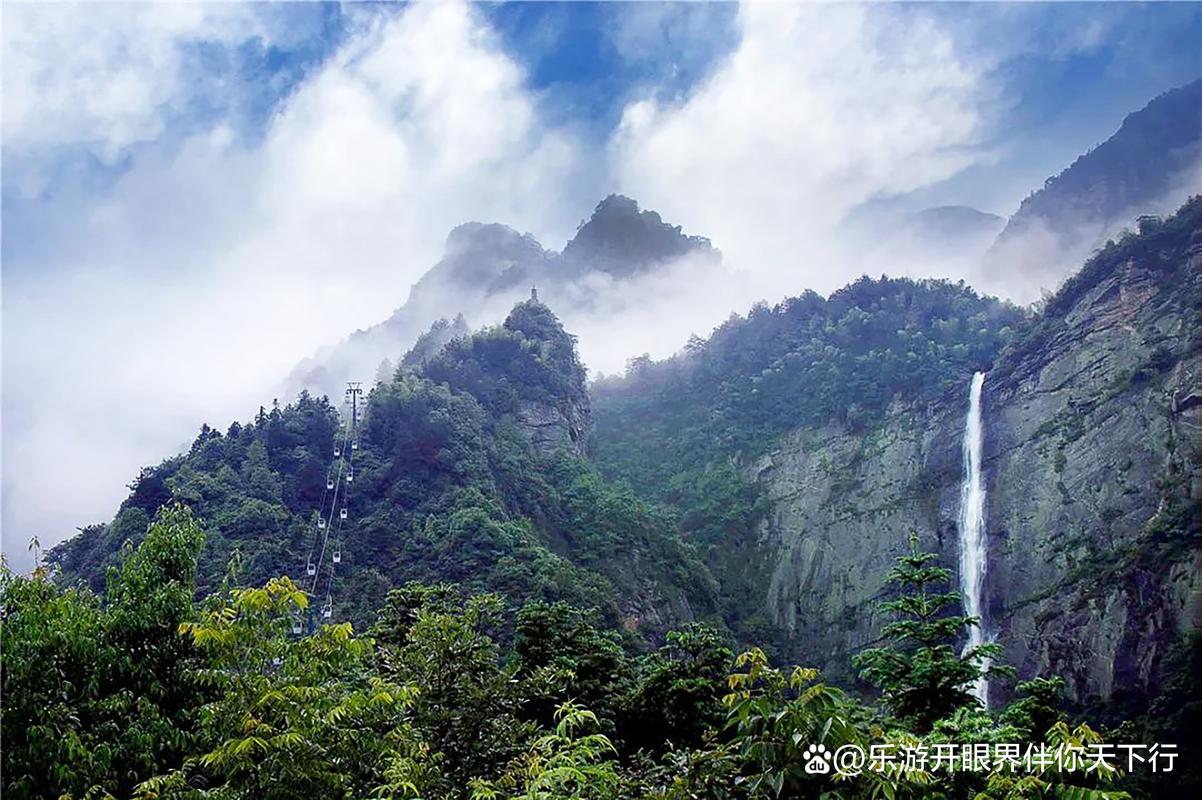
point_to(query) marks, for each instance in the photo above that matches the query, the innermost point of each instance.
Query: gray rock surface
(549, 428)
(1092, 452)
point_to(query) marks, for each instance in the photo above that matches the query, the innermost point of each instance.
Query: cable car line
(327, 485)
(339, 477)
(312, 568)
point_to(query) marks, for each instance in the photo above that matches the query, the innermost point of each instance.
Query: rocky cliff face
(840, 508)
(550, 427)
(1092, 447)
(1090, 459)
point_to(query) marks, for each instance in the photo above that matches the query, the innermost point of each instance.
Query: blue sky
(1066, 73)
(197, 196)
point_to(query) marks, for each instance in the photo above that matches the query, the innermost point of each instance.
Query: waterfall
(972, 527)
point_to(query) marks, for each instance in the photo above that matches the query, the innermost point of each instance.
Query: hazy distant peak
(622, 240)
(958, 215)
(949, 225)
(480, 253)
(479, 238)
(1128, 174)
(485, 265)
(1151, 164)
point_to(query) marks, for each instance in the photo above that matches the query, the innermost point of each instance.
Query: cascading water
(972, 526)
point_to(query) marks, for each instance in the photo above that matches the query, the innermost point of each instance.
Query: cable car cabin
(296, 627)
(337, 556)
(342, 514)
(355, 445)
(350, 477)
(337, 452)
(327, 611)
(330, 484)
(311, 569)
(321, 523)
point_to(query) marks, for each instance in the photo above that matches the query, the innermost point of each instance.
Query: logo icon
(818, 760)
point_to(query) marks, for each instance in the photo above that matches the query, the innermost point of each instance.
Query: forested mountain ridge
(813, 460)
(777, 471)
(468, 469)
(1150, 164)
(486, 268)
(472, 463)
(780, 463)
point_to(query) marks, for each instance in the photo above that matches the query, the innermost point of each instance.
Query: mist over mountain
(622, 241)
(941, 241)
(760, 480)
(954, 223)
(763, 479)
(362, 453)
(627, 259)
(485, 268)
(1149, 166)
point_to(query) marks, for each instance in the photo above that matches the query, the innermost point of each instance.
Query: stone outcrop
(1092, 454)
(551, 427)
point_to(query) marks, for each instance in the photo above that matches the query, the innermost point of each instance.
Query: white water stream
(973, 555)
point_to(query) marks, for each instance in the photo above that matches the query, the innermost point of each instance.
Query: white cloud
(184, 291)
(105, 75)
(819, 108)
(187, 290)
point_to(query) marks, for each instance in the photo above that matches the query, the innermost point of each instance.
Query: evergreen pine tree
(922, 677)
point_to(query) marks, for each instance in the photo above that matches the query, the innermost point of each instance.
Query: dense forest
(450, 486)
(678, 430)
(447, 486)
(550, 590)
(145, 692)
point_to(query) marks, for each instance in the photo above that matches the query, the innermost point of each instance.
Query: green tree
(678, 699)
(464, 704)
(562, 655)
(294, 716)
(774, 721)
(572, 762)
(921, 676)
(97, 695)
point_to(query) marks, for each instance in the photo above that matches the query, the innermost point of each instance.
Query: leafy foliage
(292, 717)
(922, 677)
(448, 487)
(150, 694)
(96, 693)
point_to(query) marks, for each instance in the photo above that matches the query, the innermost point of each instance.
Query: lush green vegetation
(539, 643)
(146, 693)
(447, 487)
(806, 361)
(677, 430)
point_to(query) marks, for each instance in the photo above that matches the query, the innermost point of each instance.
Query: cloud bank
(819, 108)
(181, 229)
(185, 288)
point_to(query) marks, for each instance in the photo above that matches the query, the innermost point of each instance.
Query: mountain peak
(623, 240)
(1146, 167)
(480, 254)
(474, 238)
